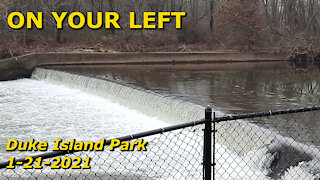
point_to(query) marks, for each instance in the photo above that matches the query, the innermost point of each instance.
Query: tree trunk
(211, 15)
(111, 9)
(173, 5)
(58, 36)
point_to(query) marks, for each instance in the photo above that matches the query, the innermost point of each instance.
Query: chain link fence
(172, 153)
(270, 145)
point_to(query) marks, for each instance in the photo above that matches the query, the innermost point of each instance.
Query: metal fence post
(207, 147)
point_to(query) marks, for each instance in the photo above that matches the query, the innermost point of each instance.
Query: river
(230, 88)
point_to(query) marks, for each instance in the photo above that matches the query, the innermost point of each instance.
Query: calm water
(230, 88)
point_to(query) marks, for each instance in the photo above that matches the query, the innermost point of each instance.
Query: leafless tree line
(296, 15)
(281, 19)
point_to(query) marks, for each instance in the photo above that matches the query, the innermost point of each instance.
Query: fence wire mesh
(272, 145)
(172, 155)
(282, 146)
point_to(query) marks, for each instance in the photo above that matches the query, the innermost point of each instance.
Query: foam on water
(91, 109)
(35, 109)
(170, 110)
(241, 138)
(44, 111)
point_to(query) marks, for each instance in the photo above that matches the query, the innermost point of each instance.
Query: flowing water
(43, 111)
(59, 105)
(96, 101)
(229, 88)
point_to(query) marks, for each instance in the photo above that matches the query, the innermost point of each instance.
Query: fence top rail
(176, 127)
(108, 142)
(265, 114)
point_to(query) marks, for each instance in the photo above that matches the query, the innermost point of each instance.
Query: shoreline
(22, 66)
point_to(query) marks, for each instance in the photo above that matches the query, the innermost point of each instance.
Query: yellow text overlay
(74, 145)
(97, 20)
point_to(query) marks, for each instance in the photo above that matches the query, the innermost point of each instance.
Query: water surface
(45, 112)
(230, 88)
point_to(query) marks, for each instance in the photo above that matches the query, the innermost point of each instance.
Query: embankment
(22, 67)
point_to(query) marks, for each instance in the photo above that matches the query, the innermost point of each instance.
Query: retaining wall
(22, 67)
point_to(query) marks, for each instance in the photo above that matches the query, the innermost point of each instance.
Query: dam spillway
(253, 138)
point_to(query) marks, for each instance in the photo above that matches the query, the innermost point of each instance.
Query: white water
(43, 111)
(34, 107)
(152, 104)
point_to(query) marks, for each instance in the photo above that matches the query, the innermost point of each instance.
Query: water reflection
(229, 87)
(237, 87)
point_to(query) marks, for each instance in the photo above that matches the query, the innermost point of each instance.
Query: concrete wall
(16, 68)
(22, 67)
